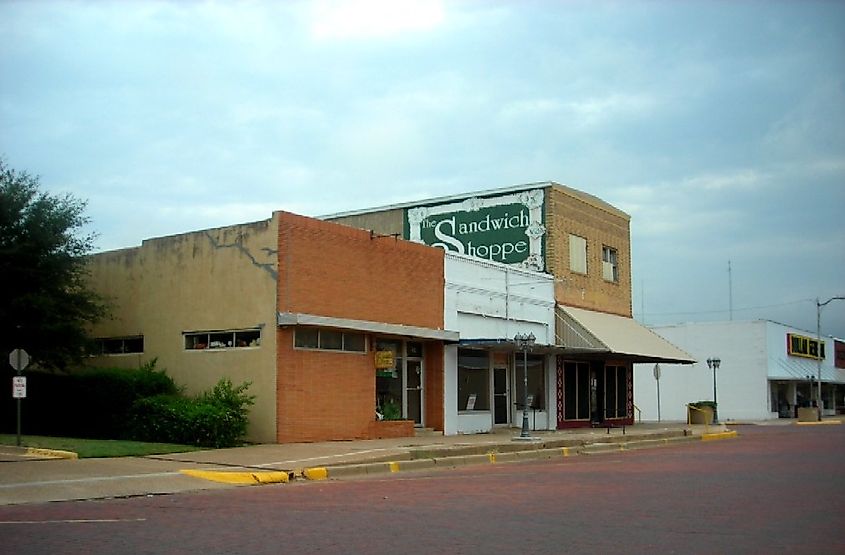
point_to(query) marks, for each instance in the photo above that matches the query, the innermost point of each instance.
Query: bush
(216, 418)
(93, 403)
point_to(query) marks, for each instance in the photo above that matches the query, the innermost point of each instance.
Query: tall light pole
(714, 364)
(657, 379)
(819, 346)
(524, 342)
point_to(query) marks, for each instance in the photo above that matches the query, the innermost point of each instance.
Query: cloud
(368, 19)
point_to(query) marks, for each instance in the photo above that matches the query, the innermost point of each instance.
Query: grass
(97, 448)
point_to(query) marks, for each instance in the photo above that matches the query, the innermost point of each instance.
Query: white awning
(617, 335)
(299, 319)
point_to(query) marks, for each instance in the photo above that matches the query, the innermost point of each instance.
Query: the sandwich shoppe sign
(506, 228)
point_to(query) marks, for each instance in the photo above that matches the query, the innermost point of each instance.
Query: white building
(491, 303)
(766, 370)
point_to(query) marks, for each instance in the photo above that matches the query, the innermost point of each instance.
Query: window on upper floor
(609, 267)
(577, 254)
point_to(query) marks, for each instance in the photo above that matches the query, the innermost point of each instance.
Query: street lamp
(524, 342)
(819, 346)
(714, 364)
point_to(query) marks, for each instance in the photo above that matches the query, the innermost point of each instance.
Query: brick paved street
(777, 488)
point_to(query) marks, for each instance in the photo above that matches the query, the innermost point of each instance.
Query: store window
(536, 381)
(224, 339)
(119, 345)
(609, 268)
(329, 340)
(615, 391)
(473, 380)
(577, 254)
(389, 381)
(576, 390)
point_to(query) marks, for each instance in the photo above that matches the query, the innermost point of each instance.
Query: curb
(241, 478)
(719, 435)
(51, 453)
(506, 455)
(819, 423)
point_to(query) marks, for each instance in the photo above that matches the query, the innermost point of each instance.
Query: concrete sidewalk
(31, 478)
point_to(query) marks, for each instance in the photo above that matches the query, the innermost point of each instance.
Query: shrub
(216, 418)
(88, 403)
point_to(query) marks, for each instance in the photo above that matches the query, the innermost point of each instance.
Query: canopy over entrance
(577, 328)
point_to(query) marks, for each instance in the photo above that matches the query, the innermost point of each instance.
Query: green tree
(45, 304)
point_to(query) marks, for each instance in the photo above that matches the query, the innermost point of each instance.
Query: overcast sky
(718, 126)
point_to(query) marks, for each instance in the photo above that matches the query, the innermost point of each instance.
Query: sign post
(19, 359)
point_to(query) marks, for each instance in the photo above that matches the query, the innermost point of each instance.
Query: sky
(718, 126)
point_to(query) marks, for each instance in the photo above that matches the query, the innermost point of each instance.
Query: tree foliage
(45, 304)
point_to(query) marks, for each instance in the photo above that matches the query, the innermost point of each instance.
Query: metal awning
(615, 335)
(300, 319)
(509, 345)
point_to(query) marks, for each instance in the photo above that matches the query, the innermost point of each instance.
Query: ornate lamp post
(714, 364)
(525, 342)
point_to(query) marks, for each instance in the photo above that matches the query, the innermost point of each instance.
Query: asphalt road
(775, 489)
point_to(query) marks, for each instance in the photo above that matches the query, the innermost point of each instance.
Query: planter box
(388, 429)
(699, 415)
(808, 414)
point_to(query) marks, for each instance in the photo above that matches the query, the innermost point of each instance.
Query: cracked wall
(215, 279)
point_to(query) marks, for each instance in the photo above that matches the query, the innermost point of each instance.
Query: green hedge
(142, 404)
(91, 403)
(217, 418)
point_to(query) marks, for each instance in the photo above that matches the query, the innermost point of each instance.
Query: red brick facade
(327, 269)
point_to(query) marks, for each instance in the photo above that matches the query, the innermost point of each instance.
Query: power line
(724, 311)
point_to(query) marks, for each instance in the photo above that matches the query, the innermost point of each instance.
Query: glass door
(414, 391)
(501, 402)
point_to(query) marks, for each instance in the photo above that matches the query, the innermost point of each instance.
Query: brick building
(374, 323)
(294, 305)
(583, 244)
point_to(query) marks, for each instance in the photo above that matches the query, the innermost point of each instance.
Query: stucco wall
(741, 381)
(216, 279)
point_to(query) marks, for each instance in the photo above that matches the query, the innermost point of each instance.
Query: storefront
(767, 371)
(596, 379)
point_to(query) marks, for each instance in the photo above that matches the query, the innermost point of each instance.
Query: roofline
(441, 200)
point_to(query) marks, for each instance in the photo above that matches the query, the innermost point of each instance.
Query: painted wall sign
(802, 346)
(506, 228)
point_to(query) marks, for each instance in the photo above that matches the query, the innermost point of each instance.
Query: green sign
(506, 228)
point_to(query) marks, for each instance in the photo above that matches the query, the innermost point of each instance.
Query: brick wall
(333, 270)
(601, 225)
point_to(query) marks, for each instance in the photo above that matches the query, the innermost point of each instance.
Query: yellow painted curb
(821, 423)
(718, 435)
(316, 473)
(240, 478)
(56, 453)
(565, 451)
(394, 466)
